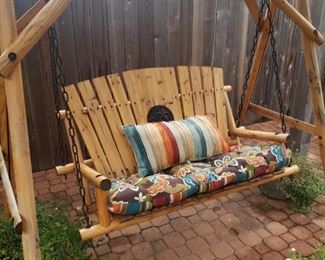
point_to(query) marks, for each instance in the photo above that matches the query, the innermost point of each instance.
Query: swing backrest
(100, 107)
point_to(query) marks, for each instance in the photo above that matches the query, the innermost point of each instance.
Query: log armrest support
(99, 180)
(261, 135)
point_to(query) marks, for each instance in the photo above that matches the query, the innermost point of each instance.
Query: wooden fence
(99, 37)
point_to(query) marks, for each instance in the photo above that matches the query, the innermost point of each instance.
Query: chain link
(276, 68)
(250, 62)
(59, 82)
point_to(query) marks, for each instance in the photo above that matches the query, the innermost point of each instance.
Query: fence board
(98, 37)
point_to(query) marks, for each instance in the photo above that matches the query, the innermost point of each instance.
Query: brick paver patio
(245, 225)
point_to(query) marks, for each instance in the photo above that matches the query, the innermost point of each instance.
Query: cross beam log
(301, 21)
(314, 80)
(22, 168)
(292, 122)
(32, 33)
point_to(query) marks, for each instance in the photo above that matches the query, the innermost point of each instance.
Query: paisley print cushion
(137, 194)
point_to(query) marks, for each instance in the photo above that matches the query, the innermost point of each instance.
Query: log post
(257, 62)
(4, 142)
(22, 168)
(11, 200)
(314, 80)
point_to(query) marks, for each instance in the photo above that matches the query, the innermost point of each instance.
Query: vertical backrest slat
(185, 90)
(109, 107)
(120, 98)
(165, 78)
(88, 133)
(138, 95)
(209, 97)
(220, 101)
(197, 90)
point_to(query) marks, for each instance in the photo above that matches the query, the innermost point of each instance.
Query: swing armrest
(261, 135)
(99, 180)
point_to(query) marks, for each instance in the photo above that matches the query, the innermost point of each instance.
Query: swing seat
(101, 106)
(136, 194)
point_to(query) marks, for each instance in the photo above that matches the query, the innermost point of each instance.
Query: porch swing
(99, 107)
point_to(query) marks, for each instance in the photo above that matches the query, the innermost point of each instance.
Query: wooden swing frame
(32, 26)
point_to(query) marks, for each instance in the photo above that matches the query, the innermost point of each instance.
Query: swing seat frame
(100, 106)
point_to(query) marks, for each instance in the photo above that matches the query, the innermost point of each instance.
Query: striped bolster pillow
(157, 146)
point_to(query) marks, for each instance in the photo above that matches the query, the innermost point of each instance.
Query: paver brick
(212, 239)
(247, 253)
(319, 209)
(320, 221)
(288, 223)
(250, 238)
(203, 228)
(276, 215)
(320, 234)
(300, 219)
(212, 204)
(166, 254)
(300, 232)
(119, 245)
(186, 212)
(236, 196)
(136, 238)
(312, 227)
(207, 255)
(188, 233)
(130, 230)
(180, 224)
(275, 243)
(145, 224)
(222, 249)
(195, 219)
(160, 221)
(321, 199)
(208, 215)
(151, 234)
(261, 248)
(159, 245)
(272, 256)
(182, 251)
(288, 237)
(125, 256)
(263, 233)
(197, 245)
(165, 229)
(302, 247)
(190, 257)
(174, 239)
(276, 228)
(142, 250)
(236, 244)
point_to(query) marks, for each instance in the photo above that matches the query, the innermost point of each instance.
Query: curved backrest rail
(113, 100)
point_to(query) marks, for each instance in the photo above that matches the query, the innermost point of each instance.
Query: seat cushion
(137, 194)
(157, 146)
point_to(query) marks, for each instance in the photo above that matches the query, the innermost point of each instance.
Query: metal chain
(59, 81)
(250, 62)
(56, 75)
(276, 68)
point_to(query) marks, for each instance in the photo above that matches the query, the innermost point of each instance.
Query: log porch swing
(99, 107)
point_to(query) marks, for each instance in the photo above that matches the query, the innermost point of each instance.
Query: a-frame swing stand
(34, 24)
